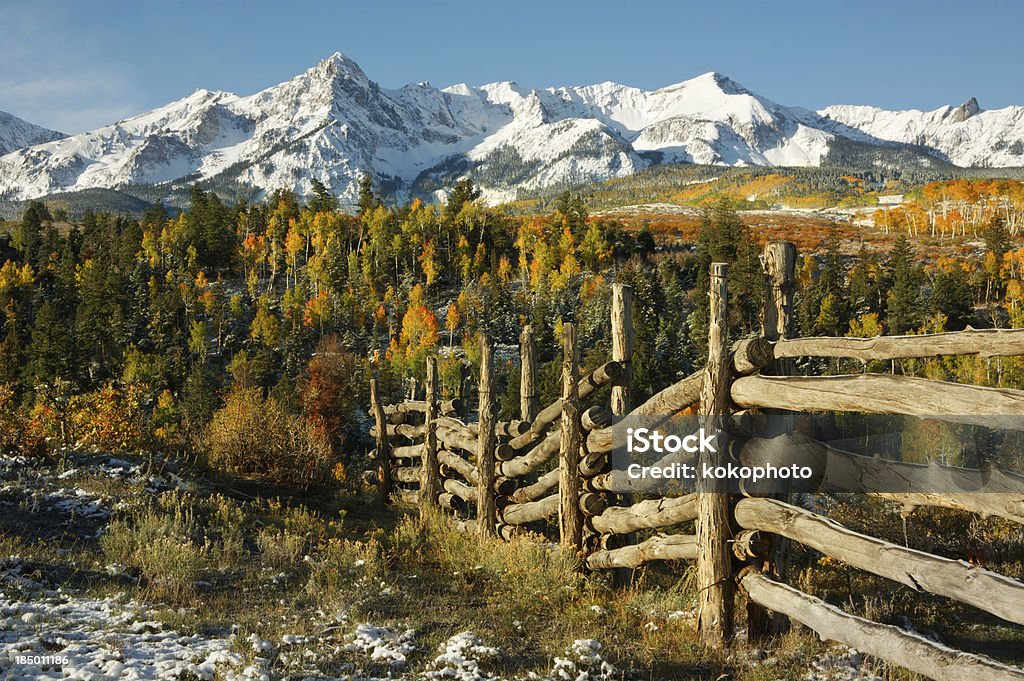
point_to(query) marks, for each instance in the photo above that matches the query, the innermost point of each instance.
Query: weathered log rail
(549, 471)
(913, 651)
(956, 579)
(980, 342)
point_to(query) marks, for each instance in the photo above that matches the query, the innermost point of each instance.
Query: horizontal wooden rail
(407, 474)
(401, 430)
(604, 374)
(407, 452)
(653, 513)
(981, 342)
(458, 464)
(460, 489)
(956, 579)
(989, 492)
(447, 407)
(532, 511)
(545, 485)
(884, 394)
(909, 650)
(533, 459)
(669, 401)
(671, 547)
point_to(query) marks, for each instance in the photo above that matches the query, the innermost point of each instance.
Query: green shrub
(280, 550)
(160, 541)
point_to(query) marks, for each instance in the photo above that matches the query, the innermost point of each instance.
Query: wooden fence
(554, 463)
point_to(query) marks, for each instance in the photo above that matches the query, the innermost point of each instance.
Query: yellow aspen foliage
(419, 329)
(266, 327)
(428, 261)
(865, 326)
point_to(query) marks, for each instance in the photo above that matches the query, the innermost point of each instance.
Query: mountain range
(16, 134)
(333, 124)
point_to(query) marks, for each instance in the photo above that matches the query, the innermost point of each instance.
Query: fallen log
(531, 511)
(988, 492)
(909, 650)
(981, 342)
(650, 514)
(545, 485)
(884, 394)
(606, 373)
(921, 571)
(671, 547)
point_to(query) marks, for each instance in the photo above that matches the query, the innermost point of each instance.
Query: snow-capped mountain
(332, 123)
(964, 135)
(16, 133)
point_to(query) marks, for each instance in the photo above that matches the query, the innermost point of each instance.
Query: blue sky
(77, 65)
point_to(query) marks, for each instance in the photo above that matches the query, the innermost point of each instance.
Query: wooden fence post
(714, 565)
(429, 474)
(570, 517)
(779, 261)
(486, 510)
(622, 346)
(622, 351)
(465, 378)
(527, 375)
(383, 452)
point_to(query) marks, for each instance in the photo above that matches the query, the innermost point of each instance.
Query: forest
(178, 335)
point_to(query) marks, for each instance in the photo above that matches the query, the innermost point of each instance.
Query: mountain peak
(718, 81)
(966, 110)
(339, 63)
(16, 133)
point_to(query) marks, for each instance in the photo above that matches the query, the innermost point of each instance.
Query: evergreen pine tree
(52, 350)
(953, 296)
(904, 304)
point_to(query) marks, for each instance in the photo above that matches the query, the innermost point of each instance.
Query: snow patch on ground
(61, 637)
(383, 644)
(460, 659)
(847, 666)
(582, 662)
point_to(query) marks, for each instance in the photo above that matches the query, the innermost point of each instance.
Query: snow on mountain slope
(332, 123)
(966, 135)
(16, 133)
